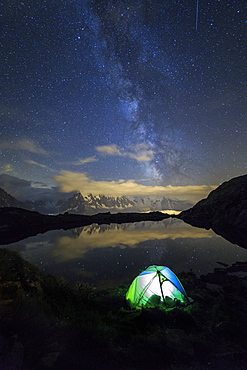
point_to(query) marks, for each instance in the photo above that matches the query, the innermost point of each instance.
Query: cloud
(67, 247)
(31, 146)
(109, 149)
(7, 167)
(8, 180)
(73, 181)
(27, 145)
(29, 161)
(140, 152)
(29, 190)
(84, 160)
(14, 186)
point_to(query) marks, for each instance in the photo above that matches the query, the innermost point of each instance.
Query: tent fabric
(155, 285)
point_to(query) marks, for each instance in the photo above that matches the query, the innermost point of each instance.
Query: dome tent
(155, 285)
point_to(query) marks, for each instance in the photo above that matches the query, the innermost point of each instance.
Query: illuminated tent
(156, 285)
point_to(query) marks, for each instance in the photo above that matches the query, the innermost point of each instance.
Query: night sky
(124, 96)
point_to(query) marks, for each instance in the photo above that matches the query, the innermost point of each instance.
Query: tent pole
(161, 287)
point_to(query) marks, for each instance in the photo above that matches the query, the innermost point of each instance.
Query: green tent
(155, 285)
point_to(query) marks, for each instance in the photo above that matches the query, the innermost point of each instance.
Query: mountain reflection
(125, 235)
(109, 255)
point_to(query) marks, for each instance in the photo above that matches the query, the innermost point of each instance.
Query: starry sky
(130, 97)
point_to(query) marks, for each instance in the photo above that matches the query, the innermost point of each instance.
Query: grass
(96, 329)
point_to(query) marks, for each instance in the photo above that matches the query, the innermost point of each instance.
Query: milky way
(162, 82)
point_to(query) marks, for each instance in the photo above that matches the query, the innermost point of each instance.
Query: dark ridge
(17, 223)
(224, 211)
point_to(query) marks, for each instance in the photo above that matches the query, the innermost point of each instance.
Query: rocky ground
(47, 324)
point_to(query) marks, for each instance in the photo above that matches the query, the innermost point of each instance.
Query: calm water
(108, 255)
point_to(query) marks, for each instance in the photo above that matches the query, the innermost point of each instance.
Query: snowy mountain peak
(91, 204)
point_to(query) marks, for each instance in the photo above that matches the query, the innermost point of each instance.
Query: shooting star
(197, 10)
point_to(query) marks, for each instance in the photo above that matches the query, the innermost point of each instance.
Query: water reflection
(124, 235)
(108, 255)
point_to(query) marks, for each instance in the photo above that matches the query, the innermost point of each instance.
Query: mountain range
(92, 204)
(224, 211)
(53, 202)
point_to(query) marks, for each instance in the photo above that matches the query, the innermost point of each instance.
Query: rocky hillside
(92, 204)
(6, 200)
(224, 211)
(42, 206)
(45, 206)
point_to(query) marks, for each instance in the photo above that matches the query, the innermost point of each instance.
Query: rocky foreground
(224, 211)
(47, 324)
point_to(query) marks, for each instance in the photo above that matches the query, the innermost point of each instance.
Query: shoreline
(17, 223)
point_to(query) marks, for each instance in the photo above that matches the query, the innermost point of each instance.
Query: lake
(109, 255)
